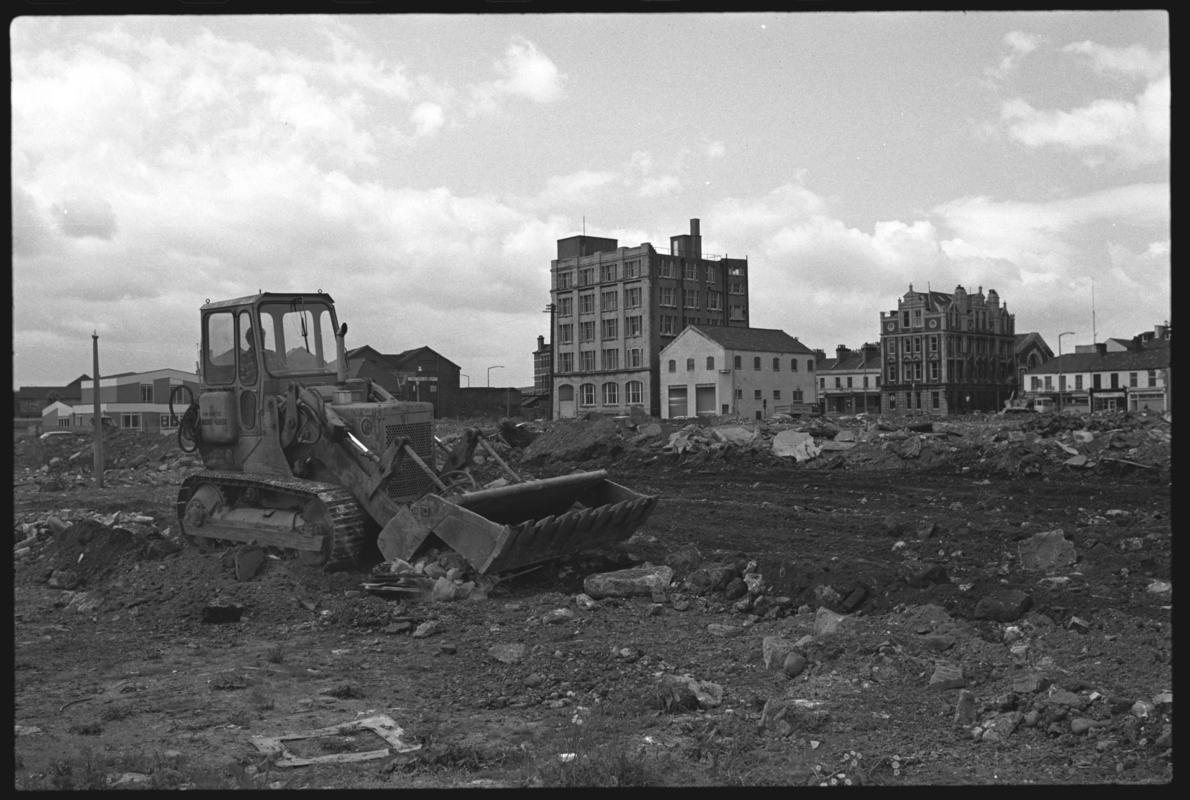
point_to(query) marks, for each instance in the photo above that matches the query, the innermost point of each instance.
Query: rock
(711, 578)
(222, 610)
(735, 434)
(855, 598)
(947, 676)
(795, 444)
(1001, 726)
(557, 616)
(64, 579)
(794, 664)
(827, 622)
(427, 628)
(1062, 697)
(507, 653)
(684, 559)
(248, 560)
(735, 589)
(964, 710)
(938, 642)
(784, 717)
(1082, 725)
(684, 693)
(1003, 606)
(646, 580)
(584, 601)
(1031, 684)
(910, 448)
(1046, 551)
(773, 650)
(920, 574)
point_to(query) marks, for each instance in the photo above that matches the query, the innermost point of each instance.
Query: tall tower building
(615, 308)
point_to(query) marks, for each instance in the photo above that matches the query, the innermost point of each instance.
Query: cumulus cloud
(427, 118)
(1019, 44)
(1127, 61)
(529, 73)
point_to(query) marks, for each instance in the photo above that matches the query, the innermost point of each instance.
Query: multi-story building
(849, 383)
(1116, 374)
(947, 353)
(715, 369)
(615, 308)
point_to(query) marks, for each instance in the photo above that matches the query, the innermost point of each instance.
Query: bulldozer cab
(268, 337)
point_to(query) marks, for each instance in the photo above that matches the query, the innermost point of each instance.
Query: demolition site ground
(986, 601)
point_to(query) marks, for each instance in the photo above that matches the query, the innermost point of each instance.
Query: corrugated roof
(762, 339)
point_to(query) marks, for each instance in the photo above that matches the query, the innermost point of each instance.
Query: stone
(827, 622)
(711, 578)
(507, 653)
(735, 589)
(248, 560)
(1063, 697)
(1031, 684)
(557, 616)
(684, 693)
(1001, 726)
(427, 628)
(964, 711)
(784, 717)
(938, 642)
(645, 580)
(798, 445)
(794, 664)
(1048, 550)
(947, 676)
(920, 574)
(1003, 606)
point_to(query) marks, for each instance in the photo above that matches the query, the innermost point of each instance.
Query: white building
(749, 372)
(136, 400)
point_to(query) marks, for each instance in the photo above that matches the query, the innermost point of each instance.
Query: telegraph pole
(96, 420)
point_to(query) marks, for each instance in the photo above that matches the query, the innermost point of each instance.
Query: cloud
(1127, 61)
(1019, 45)
(529, 73)
(85, 216)
(427, 118)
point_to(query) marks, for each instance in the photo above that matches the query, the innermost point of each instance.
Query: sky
(421, 168)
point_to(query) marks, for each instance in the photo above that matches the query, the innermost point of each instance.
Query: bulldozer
(298, 456)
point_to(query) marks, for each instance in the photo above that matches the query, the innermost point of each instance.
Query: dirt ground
(895, 609)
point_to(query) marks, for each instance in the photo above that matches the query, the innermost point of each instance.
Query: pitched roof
(1154, 355)
(762, 339)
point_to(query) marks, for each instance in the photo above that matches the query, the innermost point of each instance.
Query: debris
(382, 725)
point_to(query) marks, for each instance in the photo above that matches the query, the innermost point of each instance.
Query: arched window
(690, 365)
(566, 393)
(673, 365)
(710, 362)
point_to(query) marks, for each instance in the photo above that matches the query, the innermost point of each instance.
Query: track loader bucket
(504, 529)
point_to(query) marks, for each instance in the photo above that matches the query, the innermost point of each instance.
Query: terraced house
(1116, 374)
(615, 308)
(849, 383)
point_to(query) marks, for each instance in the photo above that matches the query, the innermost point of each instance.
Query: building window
(905, 319)
(673, 365)
(1131, 380)
(607, 301)
(712, 273)
(586, 359)
(735, 287)
(633, 325)
(933, 344)
(838, 382)
(739, 394)
(632, 268)
(586, 276)
(146, 391)
(756, 362)
(737, 361)
(809, 366)
(917, 371)
(168, 421)
(130, 421)
(822, 384)
(692, 297)
(935, 399)
(565, 280)
(776, 394)
(1061, 383)
(566, 334)
(690, 365)
(586, 303)
(714, 300)
(632, 297)
(586, 394)
(611, 358)
(666, 296)
(934, 370)
(611, 328)
(793, 365)
(736, 313)
(710, 362)
(635, 391)
(634, 357)
(1152, 377)
(607, 273)
(565, 306)
(848, 381)
(756, 394)
(1115, 380)
(586, 331)
(1078, 382)
(691, 270)
(665, 268)
(566, 362)
(666, 325)
(1049, 382)
(611, 394)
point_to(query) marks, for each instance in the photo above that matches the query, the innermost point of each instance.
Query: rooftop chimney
(841, 352)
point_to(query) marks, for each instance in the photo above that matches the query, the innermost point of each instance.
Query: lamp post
(1060, 335)
(494, 366)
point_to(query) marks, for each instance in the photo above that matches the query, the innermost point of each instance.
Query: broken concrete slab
(382, 725)
(645, 580)
(798, 445)
(735, 434)
(1047, 550)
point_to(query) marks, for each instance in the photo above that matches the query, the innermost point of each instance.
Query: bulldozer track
(345, 516)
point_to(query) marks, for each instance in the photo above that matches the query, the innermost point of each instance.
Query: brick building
(849, 383)
(615, 308)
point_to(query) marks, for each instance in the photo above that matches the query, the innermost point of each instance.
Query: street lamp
(1060, 335)
(494, 366)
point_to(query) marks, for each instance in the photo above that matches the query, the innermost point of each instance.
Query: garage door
(677, 402)
(704, 399)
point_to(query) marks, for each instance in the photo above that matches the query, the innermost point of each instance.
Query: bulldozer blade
(510, 527)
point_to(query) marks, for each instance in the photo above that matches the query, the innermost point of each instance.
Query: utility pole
(96, 420)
